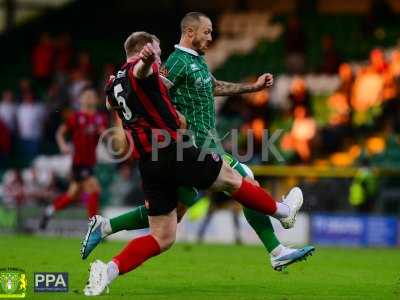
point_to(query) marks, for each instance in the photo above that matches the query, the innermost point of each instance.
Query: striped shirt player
(85, 127)
(85, 131)
(145, 106)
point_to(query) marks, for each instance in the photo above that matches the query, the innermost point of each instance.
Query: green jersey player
(192, 89)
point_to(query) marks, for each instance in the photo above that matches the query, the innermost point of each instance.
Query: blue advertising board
(354, 230)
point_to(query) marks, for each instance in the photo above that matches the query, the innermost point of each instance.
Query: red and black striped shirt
(144, 106)
(85, 130)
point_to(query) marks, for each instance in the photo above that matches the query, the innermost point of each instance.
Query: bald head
(196, 29)
(192, 20)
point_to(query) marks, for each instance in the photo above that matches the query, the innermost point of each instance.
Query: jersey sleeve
(174, 70)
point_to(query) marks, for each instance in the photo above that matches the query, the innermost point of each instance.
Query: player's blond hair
(136, 41)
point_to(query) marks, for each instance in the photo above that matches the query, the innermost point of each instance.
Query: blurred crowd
(360, 117)
(355, 120)
(30, 113)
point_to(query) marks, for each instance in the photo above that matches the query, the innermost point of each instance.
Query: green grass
(213, 272)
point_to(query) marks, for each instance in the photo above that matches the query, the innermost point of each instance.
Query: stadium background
(336, 95)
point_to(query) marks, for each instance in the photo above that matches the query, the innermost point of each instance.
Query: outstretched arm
(223, 88)
(143, 68)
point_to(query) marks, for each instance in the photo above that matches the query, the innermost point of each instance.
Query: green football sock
(138, 218)
(259, 222)
(134, 219)
(263, 227)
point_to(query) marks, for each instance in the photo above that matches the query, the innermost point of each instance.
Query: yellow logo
(13, 283)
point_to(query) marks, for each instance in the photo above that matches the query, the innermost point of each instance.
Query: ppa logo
(51, 282)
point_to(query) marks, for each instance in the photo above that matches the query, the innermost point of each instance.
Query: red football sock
(137, 252)
(62, 201)
(255, 197)
(93, 204)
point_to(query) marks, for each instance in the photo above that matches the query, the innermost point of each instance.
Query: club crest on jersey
(215, 156)
(121, 74)
(198, 83)
(194, 67)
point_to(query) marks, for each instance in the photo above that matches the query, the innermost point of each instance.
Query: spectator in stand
(62, 58)
(391, 91)
(30, 120)
(13, 188)
(367, 90)
(8, 110)
(124, 185)
(377, 62)
(330, 56)
(43, 59)
(63, 53)
(303, 132)
(5, 143)
(24, 87)
(299, 95)
(346, 80)
(339, 102)
(77, 83)
(301, 136)
(295, 42)
(84, 65)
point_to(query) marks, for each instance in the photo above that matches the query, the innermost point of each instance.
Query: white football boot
(289, 256)
(98, 279)
(294, 200)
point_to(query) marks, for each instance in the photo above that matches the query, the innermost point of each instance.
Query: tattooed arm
(223, 88)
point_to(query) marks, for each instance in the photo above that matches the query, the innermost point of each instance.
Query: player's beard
(197, 45)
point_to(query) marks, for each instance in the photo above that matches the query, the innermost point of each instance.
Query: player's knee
(228, 180)
(165, 240)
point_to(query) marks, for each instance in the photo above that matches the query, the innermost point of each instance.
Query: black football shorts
(162, 177)
(81, 172)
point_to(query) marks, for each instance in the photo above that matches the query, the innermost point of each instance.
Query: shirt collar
(188, 50)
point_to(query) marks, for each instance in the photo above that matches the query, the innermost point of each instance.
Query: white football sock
(112, 271)
(106, 227)
(278, 250)
(282, 210)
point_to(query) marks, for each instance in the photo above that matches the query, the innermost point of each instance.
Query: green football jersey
(192, 92)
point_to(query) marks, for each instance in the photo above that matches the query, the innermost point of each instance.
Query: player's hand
(148, 54)
(264, 81)
(65, 149)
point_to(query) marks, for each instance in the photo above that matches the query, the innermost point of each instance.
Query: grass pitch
(213, 272)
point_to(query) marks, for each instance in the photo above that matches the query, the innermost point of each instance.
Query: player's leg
(259, 222)
(160, 193)
(161, 237)
(100, 227)
(281, 256)
(137, 217)
(60, 203)
(92, 187)
(253, 196)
